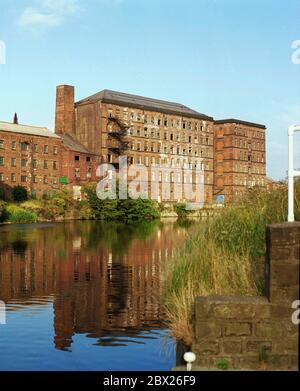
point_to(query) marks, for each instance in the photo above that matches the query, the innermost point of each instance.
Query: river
(86, 296)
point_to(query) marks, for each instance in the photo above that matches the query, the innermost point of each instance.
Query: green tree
(19, 194)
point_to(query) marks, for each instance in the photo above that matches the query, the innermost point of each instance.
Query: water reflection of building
(105, 279)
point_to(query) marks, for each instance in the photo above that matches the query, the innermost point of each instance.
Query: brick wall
(239, 159)
(255, 332)
(37, 167)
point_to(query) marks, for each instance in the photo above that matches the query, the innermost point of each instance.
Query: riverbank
(225, 255)
(60, 206)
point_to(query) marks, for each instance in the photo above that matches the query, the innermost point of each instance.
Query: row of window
(249, 133)
(45, 179)
(24, 178)
(249, 182)
(253, 169)
(24, 146)
(146, 160)
(243, 155)
(260, 146)
(166, 149)
(168, 136)
(25, 163)
(159, 120)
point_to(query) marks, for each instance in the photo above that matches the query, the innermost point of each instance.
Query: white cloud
(48, 13)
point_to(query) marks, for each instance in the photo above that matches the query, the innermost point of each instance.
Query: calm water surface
(84, 296)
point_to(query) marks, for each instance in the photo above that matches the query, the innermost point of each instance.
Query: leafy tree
(19, 194)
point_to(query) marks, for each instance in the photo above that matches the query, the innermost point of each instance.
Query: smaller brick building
(42, 161)
(239, 158)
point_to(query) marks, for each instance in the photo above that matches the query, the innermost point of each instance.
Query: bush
(120, 210)
(181, 210)
(16, 214)
(3, 213)
(138, 209)
(19, 194)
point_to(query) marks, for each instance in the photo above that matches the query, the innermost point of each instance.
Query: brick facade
(148, 132)
(239, 158)
(161, 133)
(41, 161)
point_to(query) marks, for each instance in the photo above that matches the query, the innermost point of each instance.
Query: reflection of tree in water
(118, 236)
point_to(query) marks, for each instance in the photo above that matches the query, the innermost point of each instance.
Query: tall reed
(223, 255)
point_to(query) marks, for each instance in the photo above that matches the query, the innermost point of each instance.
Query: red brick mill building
(151, 132)
(41, 160)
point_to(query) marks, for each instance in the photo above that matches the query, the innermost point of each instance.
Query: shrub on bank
(2, 211)
(16, 214)
(223, 255)
(181, 210)
(120, 210)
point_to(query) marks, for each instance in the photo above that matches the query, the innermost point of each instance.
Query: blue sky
(225, 58)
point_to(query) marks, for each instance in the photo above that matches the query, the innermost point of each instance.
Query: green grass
(223, 255)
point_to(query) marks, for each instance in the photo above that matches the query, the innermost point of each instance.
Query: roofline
(54, 135)
(238, 121)
(91, 99)
(30, 126)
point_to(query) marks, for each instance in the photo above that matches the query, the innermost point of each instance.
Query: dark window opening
(77, 158)
(88, 158)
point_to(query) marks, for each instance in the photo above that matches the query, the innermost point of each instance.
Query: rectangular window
(13, 162)
(1, 177)
(54, 180)
(35, 148)
(88, 158)
(24, 162)
(1, 144)
(35, 179)
(55, 165)
(1, 161)
(14, 145)
(23, 178)
(13, 177)
(45, 179)
(24, 146)
(77, 172)
(45, 163)
(77, 158)
(55, 150)
(34, 163)
(46, 148)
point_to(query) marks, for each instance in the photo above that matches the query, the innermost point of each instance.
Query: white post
(291, 173)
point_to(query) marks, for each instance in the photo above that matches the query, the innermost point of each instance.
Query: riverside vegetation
(60, 205)
(223, 255)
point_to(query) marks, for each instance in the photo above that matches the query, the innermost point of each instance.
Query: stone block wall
(255, 332)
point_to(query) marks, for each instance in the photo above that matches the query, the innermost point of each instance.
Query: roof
(26, 129)
(136, 101)
(238, 121)
(72, 144)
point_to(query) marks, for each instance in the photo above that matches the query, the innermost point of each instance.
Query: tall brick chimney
(65, 110)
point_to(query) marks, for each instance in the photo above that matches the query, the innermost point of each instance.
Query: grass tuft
(223, 255)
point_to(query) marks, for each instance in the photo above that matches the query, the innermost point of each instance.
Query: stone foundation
(255, 332)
